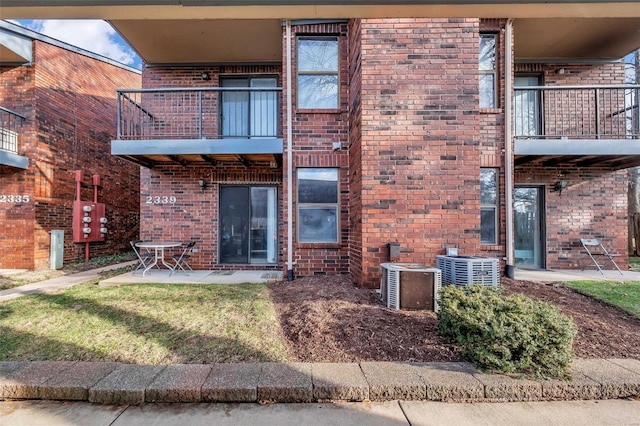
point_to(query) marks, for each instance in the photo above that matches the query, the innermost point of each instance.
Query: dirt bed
(328, 319)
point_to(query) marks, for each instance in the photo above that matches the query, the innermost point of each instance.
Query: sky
(93, 35)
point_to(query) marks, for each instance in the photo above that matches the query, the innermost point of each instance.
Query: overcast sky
(90, 34)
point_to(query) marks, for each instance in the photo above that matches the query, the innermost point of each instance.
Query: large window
(488, 206)
(488, 71)
(318, 72)
(318, 205)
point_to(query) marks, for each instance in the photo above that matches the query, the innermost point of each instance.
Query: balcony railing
(200, 113)
(577, 112)
(10, 129)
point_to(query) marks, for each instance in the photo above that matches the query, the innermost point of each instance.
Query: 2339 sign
(160, 199)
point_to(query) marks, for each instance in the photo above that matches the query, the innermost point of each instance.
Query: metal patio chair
(182, 258)
(599, 254)
(144, 257)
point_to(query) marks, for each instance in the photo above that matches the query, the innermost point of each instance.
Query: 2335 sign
(14, 198)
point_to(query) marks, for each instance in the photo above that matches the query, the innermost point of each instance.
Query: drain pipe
(508, 152)
(289, 157)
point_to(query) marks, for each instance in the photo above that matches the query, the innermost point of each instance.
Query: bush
(511, 334)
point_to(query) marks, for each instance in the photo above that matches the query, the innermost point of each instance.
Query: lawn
(623, 295)
(144, 324)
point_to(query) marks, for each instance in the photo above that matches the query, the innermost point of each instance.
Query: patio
(546, 275)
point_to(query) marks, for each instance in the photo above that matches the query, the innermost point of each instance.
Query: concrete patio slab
(551, 275)
(500, 387)
(236, 382)
(616, 381)
(74, 383)
(178, 383)
(393, 380)
(24, 379)
(339, 382)
(288, 382)
(125, 385)
(450, 381)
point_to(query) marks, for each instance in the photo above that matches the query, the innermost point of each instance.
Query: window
(488, 71)
(318, 72)
(318, 205)
(527, 120)
(488, 206)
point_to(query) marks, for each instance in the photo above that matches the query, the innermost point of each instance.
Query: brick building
(310, 145)
(58, 116)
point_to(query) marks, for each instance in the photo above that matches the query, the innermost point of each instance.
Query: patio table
(158, 247)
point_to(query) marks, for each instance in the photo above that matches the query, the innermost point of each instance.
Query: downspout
(508, 152)
(289, 156)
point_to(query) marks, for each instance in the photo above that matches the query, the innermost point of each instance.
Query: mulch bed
(329, 319)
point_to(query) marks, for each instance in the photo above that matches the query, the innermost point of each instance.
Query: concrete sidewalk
(59, 283)
(115, 383)
(393, 413)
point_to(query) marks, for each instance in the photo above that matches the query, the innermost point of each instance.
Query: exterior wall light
(203, 184)
(206, 76)
(559, 185)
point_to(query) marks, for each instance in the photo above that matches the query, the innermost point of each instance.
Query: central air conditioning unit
(469, 270)
(410, 286)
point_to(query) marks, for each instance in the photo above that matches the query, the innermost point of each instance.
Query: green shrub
(512, 334)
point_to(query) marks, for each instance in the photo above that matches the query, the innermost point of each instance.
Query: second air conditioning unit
(410, 286)
(468, 270)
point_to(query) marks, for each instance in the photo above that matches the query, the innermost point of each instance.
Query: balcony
(10, 131)
(200, 126)
(583, 125)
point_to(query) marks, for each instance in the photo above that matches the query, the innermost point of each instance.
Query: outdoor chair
(599, 254)
(182, 258)
(144, 257)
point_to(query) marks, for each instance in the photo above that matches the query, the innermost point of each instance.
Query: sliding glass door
(248, 224)
(247, 114)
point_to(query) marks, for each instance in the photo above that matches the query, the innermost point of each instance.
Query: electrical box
(56, 254)
(89, 222)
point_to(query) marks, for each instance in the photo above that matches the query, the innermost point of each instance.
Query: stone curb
(114, 383)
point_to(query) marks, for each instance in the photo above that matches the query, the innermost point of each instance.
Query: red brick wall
(69, 100)
(491, 134)
(419, 146)
(195, 213)
(314, 133)
(355, 150)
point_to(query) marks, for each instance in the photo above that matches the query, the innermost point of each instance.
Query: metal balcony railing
(10, 129)
(199, 113)
(577, 112)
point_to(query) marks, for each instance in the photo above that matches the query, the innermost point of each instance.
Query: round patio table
(158, 247)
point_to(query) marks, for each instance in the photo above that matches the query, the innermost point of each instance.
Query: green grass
(634, 262)
(144, 324)
(625, 296)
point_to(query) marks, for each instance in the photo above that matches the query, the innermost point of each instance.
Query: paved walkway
(393, 413)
